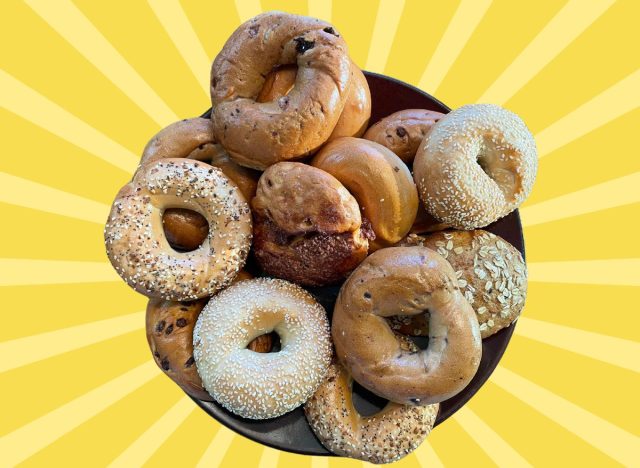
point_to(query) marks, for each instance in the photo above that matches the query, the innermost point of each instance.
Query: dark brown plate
(290, 432)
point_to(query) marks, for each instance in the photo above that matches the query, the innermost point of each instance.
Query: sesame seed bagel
(253, 385)
(138, 248)
(406, 281)
(403, 131)
(378, 179)
(354, 118)
(476, 165)
(260, 134)
(387, 436)
(490, 271)
(307, 226)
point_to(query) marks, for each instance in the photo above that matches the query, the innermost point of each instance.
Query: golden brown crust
(491, 273)
(476, 165)
(386, 436)
(307, 226)
(170, 336)
(178, 140)
(378, 179)
(260, 134)
(403, 131)
(406, 281)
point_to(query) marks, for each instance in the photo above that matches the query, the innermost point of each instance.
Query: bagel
(476, 165)
(403, 131)
(258, 135)
(137, 246)
(307, 227)
(253, 385)
(406, 281)
(354, 118)
(384, 437)
(490, 271)
(378, 179)
(178, 140)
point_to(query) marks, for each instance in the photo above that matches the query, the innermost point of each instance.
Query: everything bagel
(406, 281)
(137, 246)
(260, 134)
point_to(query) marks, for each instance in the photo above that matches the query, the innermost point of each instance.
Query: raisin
(160, 326)
(302, 45)
(401, 132)
(165, 364)
(169, 330)
(330, 30)
(181, 322)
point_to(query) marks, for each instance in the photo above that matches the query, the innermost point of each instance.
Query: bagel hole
(267, 343)
(366, 402)
(278, 83)
(184, 229)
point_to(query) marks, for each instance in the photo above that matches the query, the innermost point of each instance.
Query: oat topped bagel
(260, 134)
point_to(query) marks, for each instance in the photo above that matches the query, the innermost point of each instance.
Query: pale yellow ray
(606, 437)
(145, 445)
(175, 21)
(319, 462)
(247, 9)
(22, 272)
(495, 446)
(620, 272)
(74, 27)
(564, 27)
(609, 349)
(622, 97)
(34, 436)
(28, 194)
(320, 9)
(218, 448)
(465, 20)
(610, 194)
(18, 98)
(269, 458)
(384, 31)
(427, 456)
(23, 351)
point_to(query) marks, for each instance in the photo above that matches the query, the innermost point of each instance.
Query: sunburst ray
(427, 456)
(247, 9)
(28, 194)
(617, 100)
(461, 27)
(75, 28)
(269, 458)
(610, 194)
(217, 449)
(23, 351)
(149, 441)
(34, 436)
(32, 106)
(319, 462)
(495, 446)
(606, 437)
(320, 9)
(622, 272)
(609, 349)
(387, 20)
(21, 272)
(564, 27)
(175, 22)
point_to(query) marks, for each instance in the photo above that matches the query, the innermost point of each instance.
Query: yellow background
(84, 85)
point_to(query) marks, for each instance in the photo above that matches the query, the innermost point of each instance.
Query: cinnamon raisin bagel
(260, 134)
(403, 131)
(307, 227)
(406, 281)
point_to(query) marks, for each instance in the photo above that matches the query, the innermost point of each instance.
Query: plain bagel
(260, 134)
(476, 165)
(406, 281)
(378, 179)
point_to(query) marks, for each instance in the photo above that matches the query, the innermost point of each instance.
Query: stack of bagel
(285, 186)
